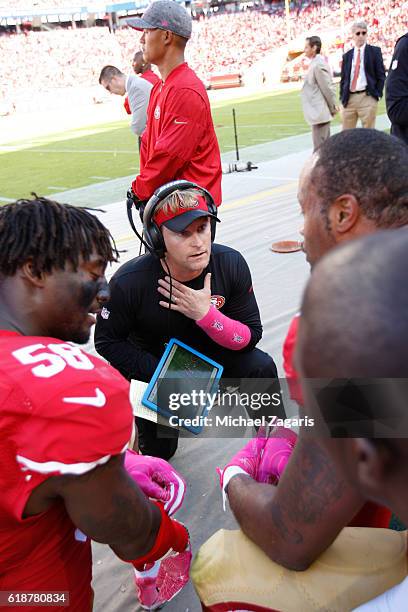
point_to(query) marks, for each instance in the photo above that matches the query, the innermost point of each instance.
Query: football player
(65, 417)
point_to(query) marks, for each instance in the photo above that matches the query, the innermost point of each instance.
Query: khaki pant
(320, 133)
(360, 106)
(360, 564)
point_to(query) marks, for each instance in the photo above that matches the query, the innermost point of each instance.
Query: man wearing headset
(212, 308)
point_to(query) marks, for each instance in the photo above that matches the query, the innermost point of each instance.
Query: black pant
(400, 131)
(156, 440)
(398, 115)
(253, 364)
(253, 372)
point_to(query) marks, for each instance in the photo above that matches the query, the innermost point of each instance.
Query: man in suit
(396, 90)
(137, 90)
(362, 80)
(318, 95)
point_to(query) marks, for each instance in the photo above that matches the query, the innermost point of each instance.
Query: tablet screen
(183, 375)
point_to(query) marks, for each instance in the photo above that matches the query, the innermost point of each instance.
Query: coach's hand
(193, 303)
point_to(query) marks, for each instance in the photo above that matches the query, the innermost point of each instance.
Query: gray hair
(359, 25)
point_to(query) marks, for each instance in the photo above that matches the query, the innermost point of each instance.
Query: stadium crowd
(386, 25)
(387, 22)
(44, 61)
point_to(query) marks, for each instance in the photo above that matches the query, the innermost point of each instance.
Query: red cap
(184, 215)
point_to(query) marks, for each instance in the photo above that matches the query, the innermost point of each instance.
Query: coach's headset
(151, 230)
(153, 237)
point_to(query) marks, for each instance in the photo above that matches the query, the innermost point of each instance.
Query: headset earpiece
(152, 233)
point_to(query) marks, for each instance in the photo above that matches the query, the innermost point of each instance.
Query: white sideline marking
(275, 126)
(274, 178)
(12, 149)
(113, 151)
(56, 188)
(3, 199)
(103, 178)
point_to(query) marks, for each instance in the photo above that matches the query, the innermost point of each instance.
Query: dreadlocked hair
(50, 234)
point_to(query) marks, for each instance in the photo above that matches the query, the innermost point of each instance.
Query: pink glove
(275, 455)
(246, 461)
(157, 479)
(263, 459)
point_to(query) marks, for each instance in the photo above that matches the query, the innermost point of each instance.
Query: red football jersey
(62, 411)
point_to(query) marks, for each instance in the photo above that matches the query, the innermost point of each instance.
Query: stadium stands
(35, 64)
(8, 6)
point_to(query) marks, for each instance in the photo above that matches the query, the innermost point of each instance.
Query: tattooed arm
(106, 505)
(296, 521)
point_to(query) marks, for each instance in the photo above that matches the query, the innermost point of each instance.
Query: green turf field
(90, 155)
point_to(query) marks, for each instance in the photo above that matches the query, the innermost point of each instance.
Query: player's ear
(344, 214)
(372, 463)
(30, 275)
(169, 37)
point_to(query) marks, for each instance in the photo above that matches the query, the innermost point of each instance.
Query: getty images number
(54, 358)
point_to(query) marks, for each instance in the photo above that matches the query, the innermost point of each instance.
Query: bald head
(354, 325)
(354, 314)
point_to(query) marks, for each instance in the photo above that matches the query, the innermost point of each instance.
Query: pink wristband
(227, 332)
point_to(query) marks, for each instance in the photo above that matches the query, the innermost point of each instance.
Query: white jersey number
(55, 358)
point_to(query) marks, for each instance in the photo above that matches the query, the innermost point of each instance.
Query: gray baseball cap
(164, 15)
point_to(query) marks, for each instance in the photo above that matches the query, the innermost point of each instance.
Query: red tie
(356, 73)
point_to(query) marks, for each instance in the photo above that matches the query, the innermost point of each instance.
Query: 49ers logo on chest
(218, 301)
(157, 112)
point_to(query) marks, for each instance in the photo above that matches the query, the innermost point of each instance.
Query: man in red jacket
(144, 69)
(179, 141)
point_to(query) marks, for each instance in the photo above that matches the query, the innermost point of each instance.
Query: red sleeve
(372, 515)
(288, 356)
(126, 106)
(67, 435)
(183, 129)
(62, 412)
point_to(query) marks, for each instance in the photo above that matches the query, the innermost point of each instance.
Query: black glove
(133, 200)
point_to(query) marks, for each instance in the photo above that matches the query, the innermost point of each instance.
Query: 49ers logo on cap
(190, 204)
(218, 301)
(157, 112)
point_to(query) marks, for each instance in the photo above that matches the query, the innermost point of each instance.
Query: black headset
(152, 233)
